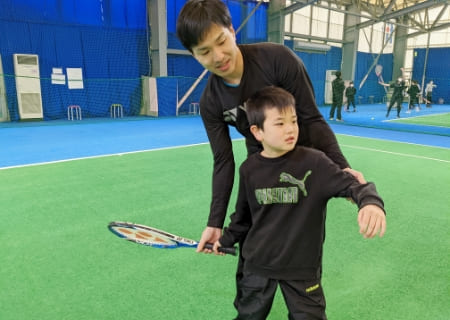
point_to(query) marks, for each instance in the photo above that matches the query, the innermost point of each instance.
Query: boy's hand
(216, 247)
(371, 220)
(209, 235)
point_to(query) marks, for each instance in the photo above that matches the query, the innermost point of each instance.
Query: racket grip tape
(227, 250)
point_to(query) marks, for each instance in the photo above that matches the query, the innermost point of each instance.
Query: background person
(350, 93)
(429, 93)
(338, 88)
(397, 95)
(413, 92)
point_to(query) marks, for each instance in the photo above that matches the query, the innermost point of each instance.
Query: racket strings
(144, 236)
(378, 69)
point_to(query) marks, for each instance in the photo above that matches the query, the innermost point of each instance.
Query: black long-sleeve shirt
(281, 211)
(350, 93)
(221, 105)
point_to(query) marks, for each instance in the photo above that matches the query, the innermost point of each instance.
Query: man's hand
(209, 235)
(358, 175)
(371, 220)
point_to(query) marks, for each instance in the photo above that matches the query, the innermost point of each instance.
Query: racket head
(148, 236)
(378, 69)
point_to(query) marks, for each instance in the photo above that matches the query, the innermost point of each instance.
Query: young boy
(280, 210)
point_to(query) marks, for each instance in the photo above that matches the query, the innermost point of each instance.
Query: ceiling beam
(297, 6)
(402, 12)
(439, 27)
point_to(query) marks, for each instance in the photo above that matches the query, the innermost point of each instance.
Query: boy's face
(280, 132)
(218, 52)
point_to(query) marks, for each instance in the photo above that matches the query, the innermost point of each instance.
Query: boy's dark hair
(196, 18)
(267, 98)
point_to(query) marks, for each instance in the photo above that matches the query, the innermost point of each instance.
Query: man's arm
(224, 165)
(223, 172)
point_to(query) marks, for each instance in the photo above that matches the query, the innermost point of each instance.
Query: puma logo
(286, 177)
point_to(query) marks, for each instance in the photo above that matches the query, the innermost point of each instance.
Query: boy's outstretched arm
(372, 221)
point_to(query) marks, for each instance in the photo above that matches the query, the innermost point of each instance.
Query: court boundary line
(379, 139)
(395, 153)
(118, 154)
(238, 139)
(398, 120)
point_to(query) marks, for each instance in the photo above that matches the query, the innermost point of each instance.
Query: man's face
(218, 53)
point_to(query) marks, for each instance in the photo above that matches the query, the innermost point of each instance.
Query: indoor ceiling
(412, 13)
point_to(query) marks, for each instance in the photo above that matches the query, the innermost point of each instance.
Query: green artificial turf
(436, 120)
(59, 261)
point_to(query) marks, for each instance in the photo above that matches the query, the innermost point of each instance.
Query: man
(338, 88)
(205, 29)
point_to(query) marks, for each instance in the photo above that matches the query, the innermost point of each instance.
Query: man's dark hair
(267, 98)
(196, 18)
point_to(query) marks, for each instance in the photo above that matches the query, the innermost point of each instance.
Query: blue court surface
(27, 143)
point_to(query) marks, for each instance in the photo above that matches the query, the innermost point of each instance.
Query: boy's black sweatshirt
(281, 207)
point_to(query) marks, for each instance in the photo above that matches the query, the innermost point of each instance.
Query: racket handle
(227, 250)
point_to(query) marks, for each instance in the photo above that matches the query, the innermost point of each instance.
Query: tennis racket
(153, 237)
(378, 71)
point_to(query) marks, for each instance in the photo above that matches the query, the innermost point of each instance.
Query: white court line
(99, 156)
(419, 116)
(202, 143)
(392, 140)
(395, 153)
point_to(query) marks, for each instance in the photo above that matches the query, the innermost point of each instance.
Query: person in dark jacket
(338, 88)
(350, 92)
(397, 95)
(281, 210)
(414, 93)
